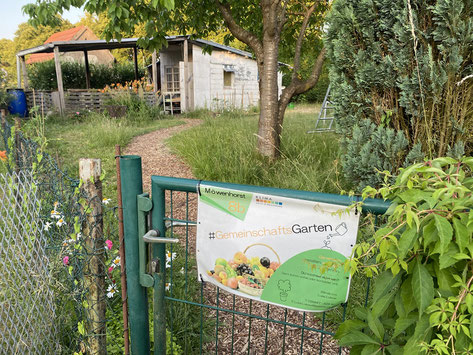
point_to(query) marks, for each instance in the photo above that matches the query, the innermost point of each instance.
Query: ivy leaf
(462, 236)
(357, 338)
(422, 286)
(445, 231)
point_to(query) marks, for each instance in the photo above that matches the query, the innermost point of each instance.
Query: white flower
(116, 262)
(66, 242)
(61, 221)
(169, 257)
(78, 236)
(167, 286)
(111, 290)
(106, 201)
(55, 214)
(47, 225)
(182, 270)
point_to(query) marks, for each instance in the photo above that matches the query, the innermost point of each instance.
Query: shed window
(172, 79)
(227, 78)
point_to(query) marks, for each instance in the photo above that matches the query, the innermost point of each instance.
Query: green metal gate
(194, 317)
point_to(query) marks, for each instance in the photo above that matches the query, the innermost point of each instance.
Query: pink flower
(110, 269)
(65, 260)
(109, 244)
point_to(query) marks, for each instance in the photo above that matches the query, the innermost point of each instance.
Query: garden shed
(203, 74)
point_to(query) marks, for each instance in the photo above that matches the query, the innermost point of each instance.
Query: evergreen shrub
(42, 76)
(401, 63)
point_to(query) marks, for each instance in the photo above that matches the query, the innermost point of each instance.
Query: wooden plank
(87, 70)
(154, 69)
(62, 103)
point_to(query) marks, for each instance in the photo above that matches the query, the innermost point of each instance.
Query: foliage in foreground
(423, 296)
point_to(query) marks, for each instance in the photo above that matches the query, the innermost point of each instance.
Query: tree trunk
(268, 131)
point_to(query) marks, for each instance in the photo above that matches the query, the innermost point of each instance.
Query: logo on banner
(235, 203)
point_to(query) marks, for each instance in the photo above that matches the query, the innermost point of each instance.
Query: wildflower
(167, 286)
(3, 155)
(111, 290)
(47, 225)
(65, 260)
(60, 221)
(55, 214)
(77, 113)
(116, 262)
(78, 236)
(106, 201)
(110, 269)
(109, 244)
(169, 257)
(182, 270)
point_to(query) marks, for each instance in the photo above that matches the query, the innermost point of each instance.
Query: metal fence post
(132, 185)
(159, 251)
(94, 271)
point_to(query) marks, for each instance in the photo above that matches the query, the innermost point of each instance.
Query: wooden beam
(25, 73)
(135, 60)
(87, 70)
(154, 71)
(18, 72)
(186, 75)
(60, 86)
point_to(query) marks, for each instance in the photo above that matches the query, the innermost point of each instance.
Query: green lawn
(223, 148)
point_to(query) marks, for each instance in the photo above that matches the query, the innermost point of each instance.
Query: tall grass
(223, 148)
(95, 136)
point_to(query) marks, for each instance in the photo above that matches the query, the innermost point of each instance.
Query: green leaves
(445, 231)
(422, 286)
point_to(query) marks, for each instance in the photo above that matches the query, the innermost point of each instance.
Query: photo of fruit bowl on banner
(271, 249)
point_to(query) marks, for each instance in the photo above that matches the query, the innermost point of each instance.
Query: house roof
(63, 36)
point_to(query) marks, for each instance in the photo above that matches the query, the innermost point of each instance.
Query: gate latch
(153, 237)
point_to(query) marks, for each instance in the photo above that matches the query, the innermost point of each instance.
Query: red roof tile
(64, 36)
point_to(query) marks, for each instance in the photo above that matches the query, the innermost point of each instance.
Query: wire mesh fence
(76, 278)
(26, 299)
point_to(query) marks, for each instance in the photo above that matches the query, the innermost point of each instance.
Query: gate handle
(152, 236)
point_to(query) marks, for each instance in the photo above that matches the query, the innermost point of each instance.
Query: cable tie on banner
(356, 206)
(201, 278)
(198, 187)
(118, 156)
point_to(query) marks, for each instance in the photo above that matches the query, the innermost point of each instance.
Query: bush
(423, 296)
(381, 72)
(372, 149)
(42, 76)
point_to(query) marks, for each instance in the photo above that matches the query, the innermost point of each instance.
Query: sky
(12, 16)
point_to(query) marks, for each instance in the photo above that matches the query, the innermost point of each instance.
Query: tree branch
(300, 39)
(239, 32)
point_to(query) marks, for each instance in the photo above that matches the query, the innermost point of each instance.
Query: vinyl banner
(270, 248)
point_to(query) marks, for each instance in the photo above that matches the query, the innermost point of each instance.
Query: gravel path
(233, 334)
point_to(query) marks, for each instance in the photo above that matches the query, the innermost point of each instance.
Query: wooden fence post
(94, 269)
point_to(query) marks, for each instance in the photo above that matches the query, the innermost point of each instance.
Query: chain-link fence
(73, 238)
(27, 308)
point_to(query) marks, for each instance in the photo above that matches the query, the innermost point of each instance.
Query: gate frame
(136, 205)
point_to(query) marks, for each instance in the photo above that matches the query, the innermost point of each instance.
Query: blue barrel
(17, 104)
